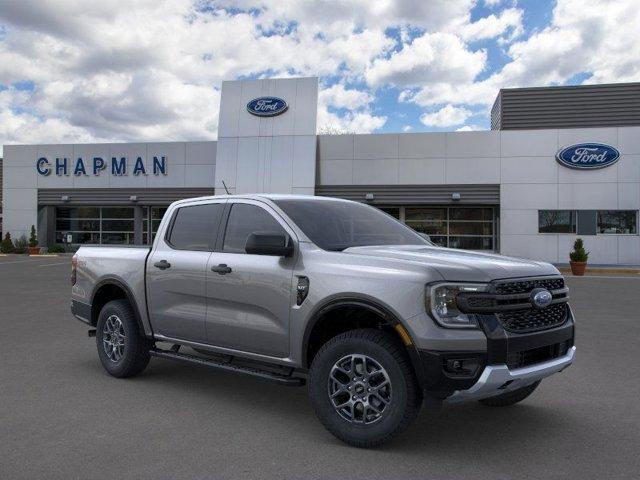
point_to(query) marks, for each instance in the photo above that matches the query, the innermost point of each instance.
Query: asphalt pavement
(63, 417)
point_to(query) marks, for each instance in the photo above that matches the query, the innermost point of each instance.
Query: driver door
(249, 301)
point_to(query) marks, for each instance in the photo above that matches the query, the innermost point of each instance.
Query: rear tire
(122, 347)
(510, 398)
(383, 399)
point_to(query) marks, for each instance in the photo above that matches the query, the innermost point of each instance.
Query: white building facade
(499, 190)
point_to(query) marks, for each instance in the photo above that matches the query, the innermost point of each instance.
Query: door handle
(162, 265)
(221, 269)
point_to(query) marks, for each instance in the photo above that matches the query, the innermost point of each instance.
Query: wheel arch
(109, 289)
(374, 310)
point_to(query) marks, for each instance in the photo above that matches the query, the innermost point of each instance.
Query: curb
(603, 271)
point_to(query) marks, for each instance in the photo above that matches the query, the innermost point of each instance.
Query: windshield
(336, 225)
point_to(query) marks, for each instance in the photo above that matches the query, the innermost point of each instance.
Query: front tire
(510, 398)
(122, 347)
(363, 388)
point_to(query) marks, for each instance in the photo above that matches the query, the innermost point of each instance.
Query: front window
(336, 225)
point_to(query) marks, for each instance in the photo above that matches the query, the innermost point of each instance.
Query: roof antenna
(225, 187)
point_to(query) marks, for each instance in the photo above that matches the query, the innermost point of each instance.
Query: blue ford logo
(267, 106)
(541, 298)
(588, 156)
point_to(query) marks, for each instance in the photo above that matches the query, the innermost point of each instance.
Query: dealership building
(559, 163)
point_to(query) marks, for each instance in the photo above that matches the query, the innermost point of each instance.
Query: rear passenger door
(177, 271)
(248, 306)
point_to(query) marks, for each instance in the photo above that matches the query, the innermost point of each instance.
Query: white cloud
(340, 97)
(151, 70)
(469, 128)
(407, 128)
(509, 22)
(432, 57)
(596, 38)
(447, 116)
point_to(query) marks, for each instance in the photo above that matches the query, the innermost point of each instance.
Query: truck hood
(459, 265)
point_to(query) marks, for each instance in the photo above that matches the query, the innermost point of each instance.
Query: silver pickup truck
(332, 293)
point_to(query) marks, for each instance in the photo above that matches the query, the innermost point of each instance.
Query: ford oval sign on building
(588, 156)
(267, 106)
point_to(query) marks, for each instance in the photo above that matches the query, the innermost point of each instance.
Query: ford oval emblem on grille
(541, 298)
(267, 106)
(588, 156)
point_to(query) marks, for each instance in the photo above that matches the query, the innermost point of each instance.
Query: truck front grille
(531, 319)
(525, 286)
(510, 301)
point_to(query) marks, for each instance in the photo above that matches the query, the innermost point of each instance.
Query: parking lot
(62, 416)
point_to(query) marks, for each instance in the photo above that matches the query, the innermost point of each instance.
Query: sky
(77, 71)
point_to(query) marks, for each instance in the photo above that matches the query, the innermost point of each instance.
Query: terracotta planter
(33, 250)
(578, 268)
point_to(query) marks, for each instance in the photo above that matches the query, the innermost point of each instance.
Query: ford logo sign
(541, 298)
(588, 156)
(267, 106)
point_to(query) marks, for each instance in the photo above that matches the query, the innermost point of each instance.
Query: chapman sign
(267, 106)
(118, 166)
(588, 156)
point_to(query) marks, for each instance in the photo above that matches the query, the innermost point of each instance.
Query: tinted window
(195, 228)
(244, 220)
(336, 225)
(556, 221)
(617, 221)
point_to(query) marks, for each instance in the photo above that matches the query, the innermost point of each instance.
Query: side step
(227, 366)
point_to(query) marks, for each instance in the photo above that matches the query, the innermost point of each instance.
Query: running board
(287, 380)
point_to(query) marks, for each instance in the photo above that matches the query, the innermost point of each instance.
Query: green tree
(7, 244)
(579, 254)
(33, 238)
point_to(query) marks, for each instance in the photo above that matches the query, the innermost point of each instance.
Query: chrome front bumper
(497, 379)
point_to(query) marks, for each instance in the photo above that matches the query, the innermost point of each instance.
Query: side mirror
(264, 243)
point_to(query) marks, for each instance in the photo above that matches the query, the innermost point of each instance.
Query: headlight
(442, 303)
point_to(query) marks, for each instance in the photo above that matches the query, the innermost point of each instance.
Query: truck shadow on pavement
(464, 429)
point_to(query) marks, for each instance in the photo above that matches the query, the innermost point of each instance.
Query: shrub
(7, 244)
(57, 248)
(20, 245)
(579, 254)
(33, 238)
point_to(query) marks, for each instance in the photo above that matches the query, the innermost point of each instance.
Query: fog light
(462, 367)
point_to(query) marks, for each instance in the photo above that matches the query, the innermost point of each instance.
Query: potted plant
(7, 244)
(579, 257)
(33, 249)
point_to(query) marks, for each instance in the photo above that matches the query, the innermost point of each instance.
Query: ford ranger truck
(336, 294)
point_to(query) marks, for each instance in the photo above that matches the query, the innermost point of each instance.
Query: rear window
(196, 227)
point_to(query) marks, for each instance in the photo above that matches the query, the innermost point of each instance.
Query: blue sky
(77, 71)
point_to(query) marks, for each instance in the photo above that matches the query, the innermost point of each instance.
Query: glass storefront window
(95, 225)
(456, 227)
(156, 217)
(623, 222)
(556, 221)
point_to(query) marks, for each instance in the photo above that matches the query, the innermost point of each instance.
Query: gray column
(138, 225)
(46, 226)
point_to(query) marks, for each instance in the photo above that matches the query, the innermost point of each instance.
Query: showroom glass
(469, 228)
(556, 221)
(150, 229)
(617, 222)
(104, 225)
(195, 227)
(244, 220)
(336, 225)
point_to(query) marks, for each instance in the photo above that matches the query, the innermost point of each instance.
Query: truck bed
(125, 264)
